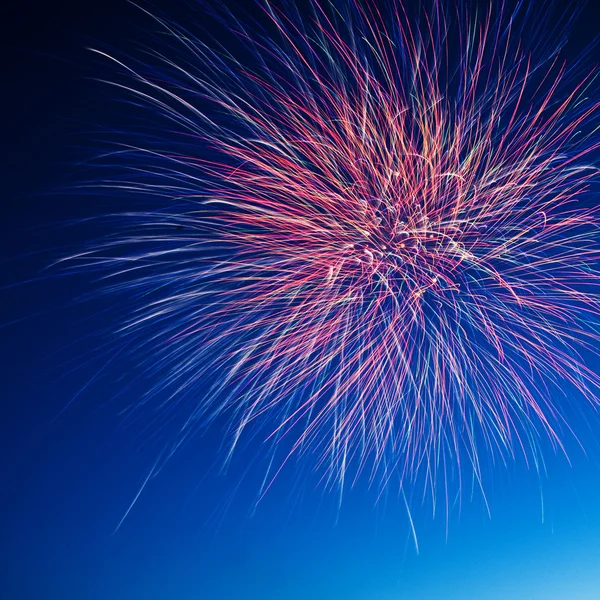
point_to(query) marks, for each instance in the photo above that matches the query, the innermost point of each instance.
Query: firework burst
(371, 245)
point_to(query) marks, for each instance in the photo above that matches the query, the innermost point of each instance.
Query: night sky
(71, 465)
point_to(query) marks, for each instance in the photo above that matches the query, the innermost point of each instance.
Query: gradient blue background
(70, 467)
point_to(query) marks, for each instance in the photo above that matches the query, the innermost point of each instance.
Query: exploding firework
(369, 241)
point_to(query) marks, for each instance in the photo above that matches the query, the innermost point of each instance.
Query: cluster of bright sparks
(371, 245)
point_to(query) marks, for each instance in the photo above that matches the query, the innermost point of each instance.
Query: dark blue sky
(70, 467)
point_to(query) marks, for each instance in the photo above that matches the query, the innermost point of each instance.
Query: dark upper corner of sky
(59, 24)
